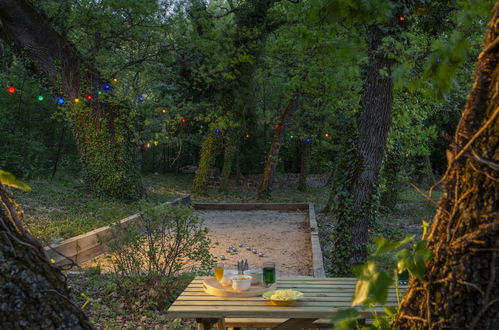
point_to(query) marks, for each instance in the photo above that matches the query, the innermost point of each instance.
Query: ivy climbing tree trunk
(460, 289)
(209, 153)
(305, 165)
(229, 155)
(389, 175)
(265, 188)
(33, 292)
(102, 126)
(374, 124)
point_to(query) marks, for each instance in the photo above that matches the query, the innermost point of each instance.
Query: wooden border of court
(87, 246)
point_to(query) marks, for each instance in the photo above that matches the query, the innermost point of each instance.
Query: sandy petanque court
(283, 237)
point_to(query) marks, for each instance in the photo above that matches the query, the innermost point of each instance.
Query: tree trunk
(209, 153)
(33, 293)
(229, 155)
(460, 289)
(265, 188)
(305, 165)
(375, 121)
(102, 126)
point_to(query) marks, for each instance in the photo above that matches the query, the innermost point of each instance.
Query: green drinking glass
(268, 273)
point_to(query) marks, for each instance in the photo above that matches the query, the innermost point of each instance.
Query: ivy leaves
(8, 179)
(374, 281)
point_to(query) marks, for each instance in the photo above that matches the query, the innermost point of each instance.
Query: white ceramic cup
(227, 279)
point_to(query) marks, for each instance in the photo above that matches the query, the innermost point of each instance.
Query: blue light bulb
(106, 87)
(308, 140)
(60, 100)
(217, 131)
(141, 98)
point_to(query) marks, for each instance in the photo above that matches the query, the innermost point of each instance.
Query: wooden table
(323, 298)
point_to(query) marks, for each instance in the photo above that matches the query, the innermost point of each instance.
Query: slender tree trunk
(375, 121)
(305, 165)
(460, 289)
(265, 188)
(209, 153)
(33, 293)
(101, 128)
(229, 155)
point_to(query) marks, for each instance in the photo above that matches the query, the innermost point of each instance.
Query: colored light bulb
(276, 126)
(184, 120)
(89, 97)
(11, 89)
(247, 135)
(106, 87)
(76, 100)
(438, 60)
(99, 92)
(141, 98)
(401, 18)
(60, 100)
(40, 98)
(115, 80)
(217, 131)
(163, 111)
(326, 134)
(308, 140)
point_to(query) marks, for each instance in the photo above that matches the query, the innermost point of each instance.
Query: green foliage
(10, 180)
(209, 153)
(373, 281)
(106, 151)
(157, 249)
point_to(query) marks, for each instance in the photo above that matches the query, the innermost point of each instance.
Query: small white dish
(241, 282)
(256, 274)
(227, 279)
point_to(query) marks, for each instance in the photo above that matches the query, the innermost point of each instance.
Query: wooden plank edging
(251, 206)
(317, 263)
(87, 246)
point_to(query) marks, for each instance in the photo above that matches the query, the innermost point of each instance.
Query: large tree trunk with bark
(209, 153)
(460, 289)
(102, 126)
(33, 292)
(265, 188)
(375, 121)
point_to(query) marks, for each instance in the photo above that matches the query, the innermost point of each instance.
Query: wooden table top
(323, 298)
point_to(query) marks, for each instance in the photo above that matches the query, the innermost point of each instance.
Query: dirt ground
(283, 237)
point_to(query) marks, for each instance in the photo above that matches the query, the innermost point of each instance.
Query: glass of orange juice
(219, 271)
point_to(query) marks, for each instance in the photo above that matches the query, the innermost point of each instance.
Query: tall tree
(33, 292)
(461, 285)
(265, 188)
(101, 126)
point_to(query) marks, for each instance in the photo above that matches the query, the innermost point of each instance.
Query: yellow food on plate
(286, 295)
(241, 278)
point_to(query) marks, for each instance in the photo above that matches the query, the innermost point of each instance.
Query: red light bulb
(89, 97)
(11, 89)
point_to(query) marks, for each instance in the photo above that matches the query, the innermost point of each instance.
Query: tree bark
(305, 165)
(265, 188)
(460, 289)
(101, 127)
(375, 121)
(209, 153)
(229, 155)
(33, 293)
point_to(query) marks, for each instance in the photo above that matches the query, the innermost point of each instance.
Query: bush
(155, 256)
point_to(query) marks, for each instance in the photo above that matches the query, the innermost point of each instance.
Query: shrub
(155, 256)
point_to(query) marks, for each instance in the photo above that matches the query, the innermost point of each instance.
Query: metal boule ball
(241, 244)
(248, 247)
(254, 251)
(260, 254)
(227, 250)
(235, 249)
(231, 247)
(222, 257)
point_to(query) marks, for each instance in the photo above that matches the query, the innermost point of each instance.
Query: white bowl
(227, 279)
(256, 274)
(241, 282)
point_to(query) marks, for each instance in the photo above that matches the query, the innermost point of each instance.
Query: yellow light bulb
(77, 100)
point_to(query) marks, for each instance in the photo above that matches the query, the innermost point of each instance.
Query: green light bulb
(99, 92)
(40, 98)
